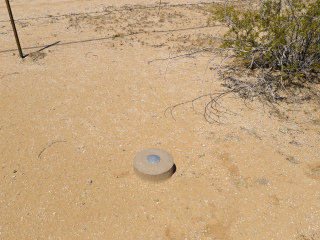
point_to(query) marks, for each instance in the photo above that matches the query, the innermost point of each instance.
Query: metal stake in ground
(14, 28)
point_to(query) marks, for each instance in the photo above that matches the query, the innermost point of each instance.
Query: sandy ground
(74, 115)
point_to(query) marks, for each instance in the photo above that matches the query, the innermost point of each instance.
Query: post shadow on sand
(43, 48)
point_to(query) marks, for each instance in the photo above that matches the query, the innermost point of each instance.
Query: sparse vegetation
(277, 43)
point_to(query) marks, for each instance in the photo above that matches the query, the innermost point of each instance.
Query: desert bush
(278, 42)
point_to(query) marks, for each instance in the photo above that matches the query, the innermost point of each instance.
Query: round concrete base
(153, 165)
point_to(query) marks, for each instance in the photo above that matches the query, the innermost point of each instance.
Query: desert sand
(97, 86)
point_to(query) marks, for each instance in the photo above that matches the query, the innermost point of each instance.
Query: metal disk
(153, 165)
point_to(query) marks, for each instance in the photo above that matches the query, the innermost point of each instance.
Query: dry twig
(53, 142)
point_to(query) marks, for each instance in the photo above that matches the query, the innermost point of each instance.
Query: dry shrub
(277, 43)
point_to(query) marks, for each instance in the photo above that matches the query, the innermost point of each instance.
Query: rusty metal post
(14, 28)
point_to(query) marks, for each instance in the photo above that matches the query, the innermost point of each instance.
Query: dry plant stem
(53, 142)
(165, 72)
(182, 55)
(180, 104)
(220, 65)
(211, 113)
(9, 74)
(204, 72)
(159, 8)
(211, 109)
